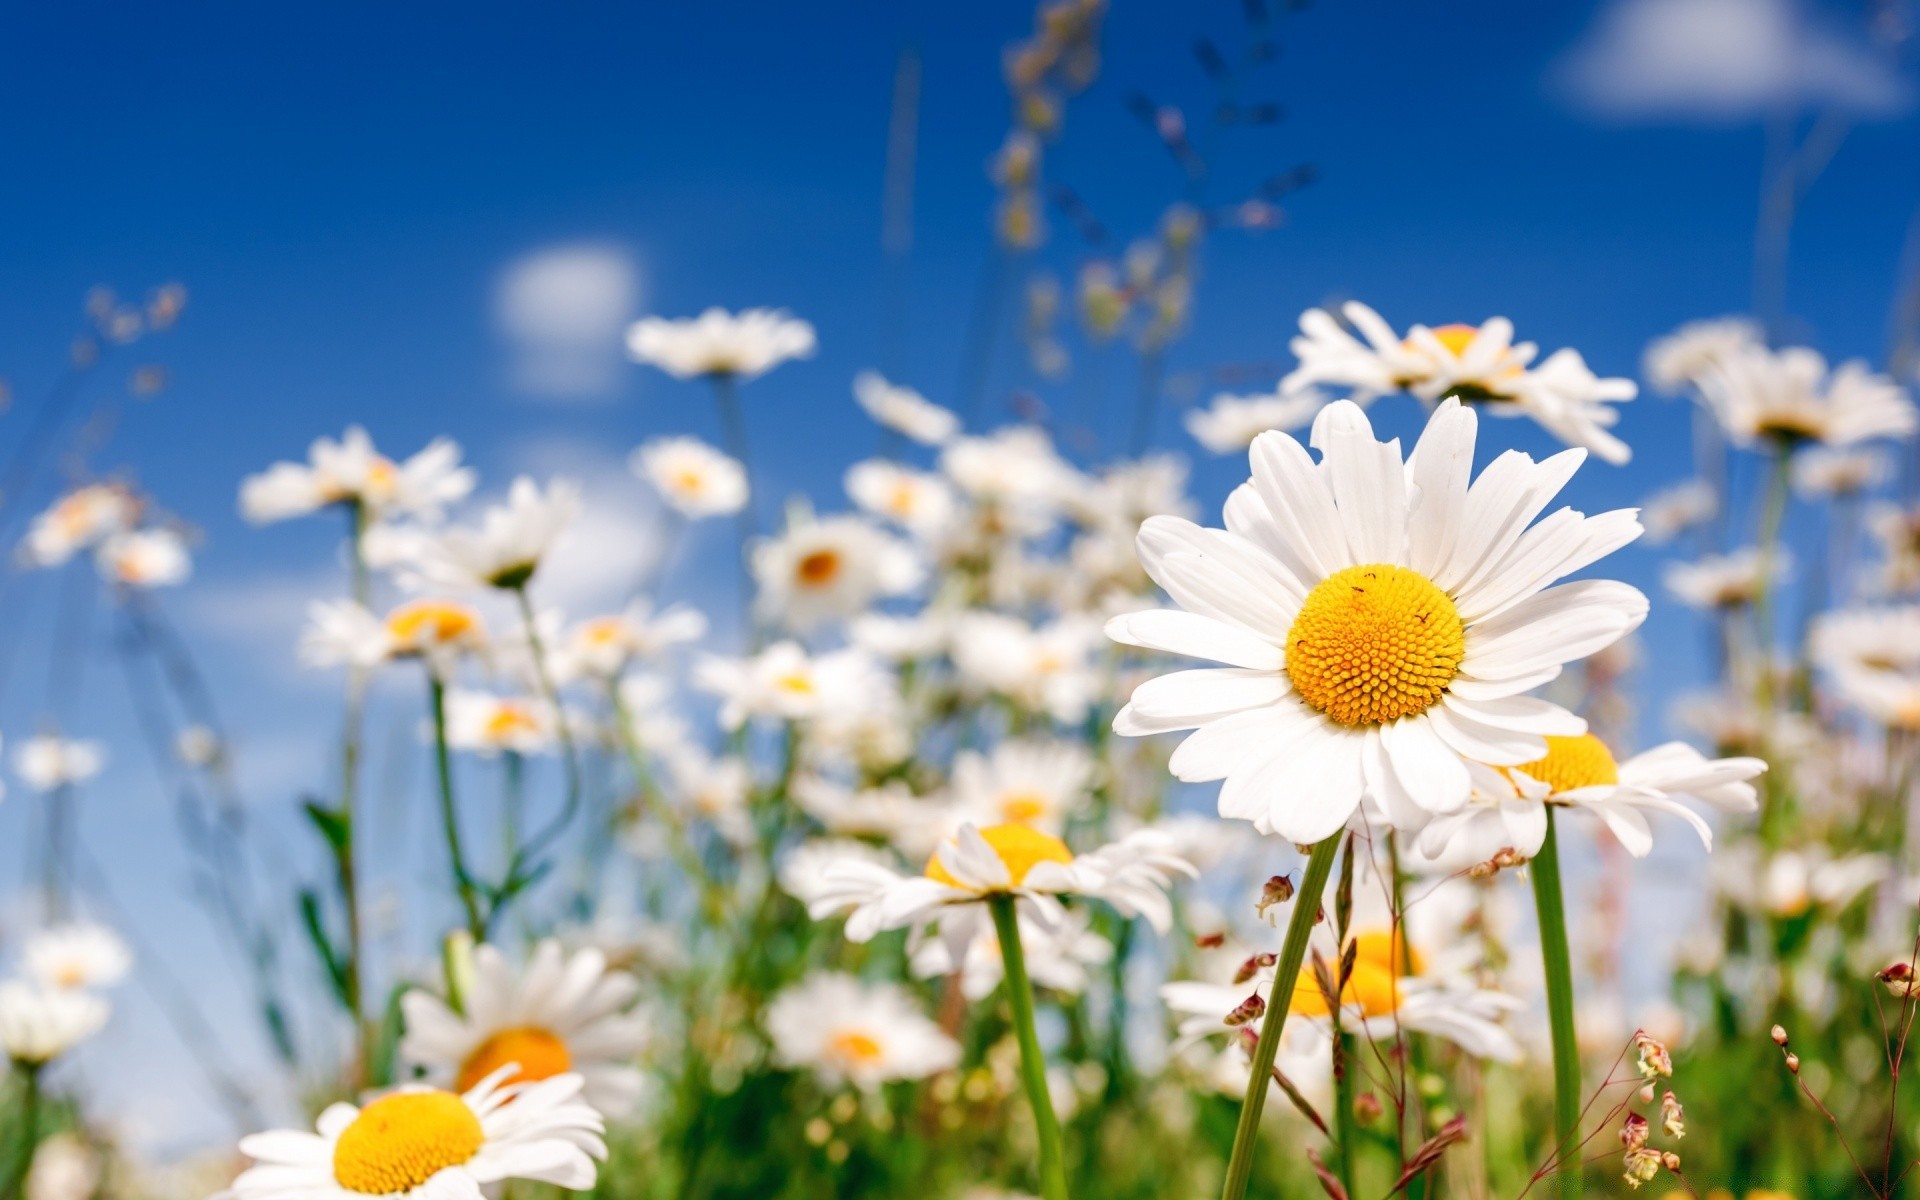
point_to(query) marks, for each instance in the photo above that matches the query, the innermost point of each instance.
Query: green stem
(733, 429)
(570, 755)
(1772, 516)
(1557, 961)
(1346, 1130)
(1306, 908)
(1033, 1067)
(450, 813)
(29, 1130)
(346, 862)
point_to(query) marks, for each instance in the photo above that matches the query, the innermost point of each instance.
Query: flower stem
(1033, 1068)
(29, 1131)
(569, 752)
(1306, 908)
(1550, 905)
(450, 815)
(1346, 1129)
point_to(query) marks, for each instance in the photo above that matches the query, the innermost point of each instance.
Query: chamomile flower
(888, 811)
(82, 518)
(692, 477)
(1046, 668)
(561, 1016)
(826, 568)
(1724, 580)
(1866, 640)
(1026, 781)
(785, 681)
(48, 762)
(917, 502)
(848, 1031)
(144, 558)
(1823, 472)
(1230, 423)
(975, 865)
(1508, 809)
(1682, 358)
(1481, 364)
(744, 345)
(1674, 510)
(39, 1023)
(435, 630)
(904, 410)
(1790, 398)
(604, 647)
(490, 725)
(507, 547)
(77, 956)
(718, 791)
(1014, 473)
(351, 471)
(1382, 623)
(420, 1143)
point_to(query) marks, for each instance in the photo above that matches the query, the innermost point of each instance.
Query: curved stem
(570, 755)
(1033, 1067)
(1306, 908)
(450, 814)
(1557, 962)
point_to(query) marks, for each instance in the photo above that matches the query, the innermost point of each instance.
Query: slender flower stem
(1293, 952)
(1558, 964)
(29, 1131)
(570, 755)
(1773, 514)
(346, 862)
(1345, 1129)
(450, 814)
(1033, 1067)
(733, 429)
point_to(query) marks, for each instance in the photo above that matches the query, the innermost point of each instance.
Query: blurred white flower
(1672, 511)
(143, 558)
(1013, 471)
(1027, 781)
(1230, 423)
(1045, 669)
(826, 568)
(1790, 397)
(603, 647)
(512, 538)
(904, 410)
(351, 471)
(1822, 472)
(489, 725)
(919, 503)
(784, 681)
(1057, 958)
(901, 639)
(745, 345)
(82, 518)
(718, 791)
(850, 1032)
(888, 811)
(1723, 580)
(48, 762)
(77, 956)
(65, 1167)
(1682, 358)
(692, 477)
(39, 1024)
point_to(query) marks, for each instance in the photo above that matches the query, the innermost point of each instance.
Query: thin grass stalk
(1306, 908)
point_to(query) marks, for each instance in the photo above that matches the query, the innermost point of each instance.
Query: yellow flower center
(854, 1048)
(690, 481)
(539, 1054)
(1023, 807)
(69, 975)
(1375, 643)
(510, 719)
(903, 499)
(1020, 847)
(1574, 762)
(818, 569)
(399, 1142)
(418, 624)
(796, 682)
(604, 631)
(1456, 338)
(1381, 959)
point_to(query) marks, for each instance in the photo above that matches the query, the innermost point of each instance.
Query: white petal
(1196, 636)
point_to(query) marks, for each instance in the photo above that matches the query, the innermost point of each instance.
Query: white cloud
(562, 309)
(1725, 60)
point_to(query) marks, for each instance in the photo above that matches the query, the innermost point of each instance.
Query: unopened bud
(1250, 1009)
(1670, 1161)
(1366, 1108)
(1899, 979)
(1793, 1062)
(1646, 1093)
(1779, 1036)
(1672, 1116)
(1253, 966)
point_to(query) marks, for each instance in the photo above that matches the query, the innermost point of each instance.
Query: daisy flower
(426, 1144)
(144, 558)
(1724, 580)
(560, 1017)
(975, 865)
(351, 471)
(82, 518)
(1791, 398)
(1867, 640)
(1046, 668)
(512, 538)
(904, 410)
(48, 762)
(1822, 472)
(1014, 472)
(889, 811)
(1790, 883)
(850, 1032)
(919, 503)
(1509, 806)
(718, 791)
(1033, 782)
(1672, 511)
(1680, 359)
(692, 477)
(77, 956)
(1478, 363)
(784, 681)
(604, 647)
(745, 345)
(490, 725)
(1381, 621)
(39, 1023)
(1230, 423)
(822, 569)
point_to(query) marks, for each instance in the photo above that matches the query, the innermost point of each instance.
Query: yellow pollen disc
(1574, 762)
(69, 975)
(399, 1142)
(1020, 847)
(510, 719)
(1023, 807)
(1371, 986)
(818, 569)
(604, 631)
(1375, 643)
(903, 500)
(1456, 338)
(854, 1047)
(381, 476)
(540, 1055)
(798, 684)
(691, 481)
(431, 622)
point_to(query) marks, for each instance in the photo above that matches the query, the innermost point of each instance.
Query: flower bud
(1253, 966)
(1779, 1036)
(1793, 1062)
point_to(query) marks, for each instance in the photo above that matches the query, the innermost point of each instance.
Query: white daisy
(718, 791)
(1046, 668)
(560, 1016)
(743, 345)
(39, 1023)
(47, 762)
(604, 647)
(1820, 472)
(65, 1167)
(901, 638)
(827, 568)
(77, 956)
(82, 518)
(1480, 364)
(1230, 423)
(1867, 640)
(692, 477)
(1674, 510)
(1790, 883)
(490, 725)
(1037, 782)
(1897, 532)
(1014, 472)
(919, 503)
(1382, 622)
(1791, 398)
(426, 1144)
(1724, 580)
(1681, 358)
(784, 681)
(850, 1032)
(1508, 809)
(144, 558)
(904, 410)
(888, 811)
(506, 549)
(351, 471)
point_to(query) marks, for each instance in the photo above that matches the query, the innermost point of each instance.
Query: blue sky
(342, 190)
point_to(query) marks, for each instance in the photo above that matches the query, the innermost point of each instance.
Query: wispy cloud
(1725, 60)
(562, 310)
